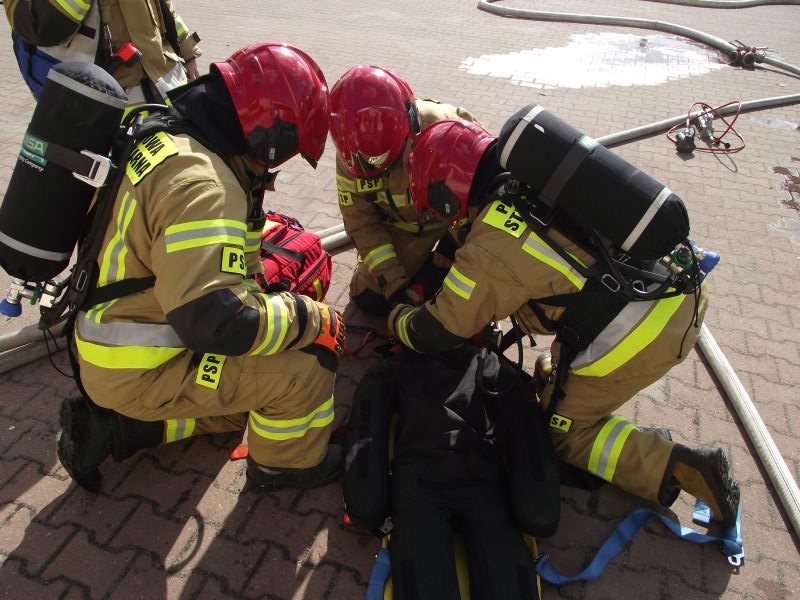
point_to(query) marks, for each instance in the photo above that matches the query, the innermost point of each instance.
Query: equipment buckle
(98, 172)
(610, 282)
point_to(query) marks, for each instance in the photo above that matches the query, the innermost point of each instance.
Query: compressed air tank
(45, 206)
(600, 190)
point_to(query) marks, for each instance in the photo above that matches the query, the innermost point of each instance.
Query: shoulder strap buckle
(98, 172)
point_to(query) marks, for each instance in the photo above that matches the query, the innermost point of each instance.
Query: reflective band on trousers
(541, 251)
(284, 429)
(126, 345)
(277, 317)
(459, 284)
(401, 327)
(178, 429)
(197, 234)
(379, 255)
(633, 329)
(608, 446)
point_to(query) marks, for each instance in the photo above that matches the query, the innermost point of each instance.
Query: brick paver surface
(178, 521)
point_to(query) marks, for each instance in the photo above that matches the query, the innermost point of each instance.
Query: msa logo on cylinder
(34, 149)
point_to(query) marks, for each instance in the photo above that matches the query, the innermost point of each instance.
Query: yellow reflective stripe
(196, 234)
(180, 27)
(96, 312)
(401, 327)
(379, 255)
(124, 357)
(318, 291)
(76, 9)
(345, 184)
(277, 316)
(252, 241)
(608, 446)
(540, 250)
(405, 226)
(638, 339)
(178, 429)
(112, 264)
(459, 283)
(285, 429)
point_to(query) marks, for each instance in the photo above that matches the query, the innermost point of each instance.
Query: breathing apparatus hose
(785, 486)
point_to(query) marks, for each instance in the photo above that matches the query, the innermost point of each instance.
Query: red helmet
(372, 115)
(441, 167)
(281, 99)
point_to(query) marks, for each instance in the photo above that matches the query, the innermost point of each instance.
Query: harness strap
(730, 540)
(118, 289)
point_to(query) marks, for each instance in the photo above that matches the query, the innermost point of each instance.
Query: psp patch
(503, 216)
(233, 261)
(364, 186)
(209, 371)
(560, 422)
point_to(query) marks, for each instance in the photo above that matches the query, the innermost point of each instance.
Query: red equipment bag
(294, 259)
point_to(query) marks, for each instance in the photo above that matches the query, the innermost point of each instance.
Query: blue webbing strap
(380, 574)
(731, 540)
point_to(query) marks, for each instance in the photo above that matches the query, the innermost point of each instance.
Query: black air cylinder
(591, 184)
(43, 211)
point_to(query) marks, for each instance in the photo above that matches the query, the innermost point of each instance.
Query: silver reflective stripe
(205, 232)
(646, 218)
(608, 447)
(30, 250)
(117, 245)
(521, 126)
(128, 334)
(616, 331)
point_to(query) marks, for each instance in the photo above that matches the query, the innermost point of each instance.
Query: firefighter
(374, 122)
(502, 270)
(203, 350)
(169, 50)
(49, 31)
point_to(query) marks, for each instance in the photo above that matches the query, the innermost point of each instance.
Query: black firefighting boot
(90, 434)
(703, 472)
(273, 478)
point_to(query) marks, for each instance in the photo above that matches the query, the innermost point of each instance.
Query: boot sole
(74, 417)
(701, 473)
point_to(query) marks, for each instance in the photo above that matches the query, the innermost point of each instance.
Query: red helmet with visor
(281, 99)
(442, 165)
(373, 114)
